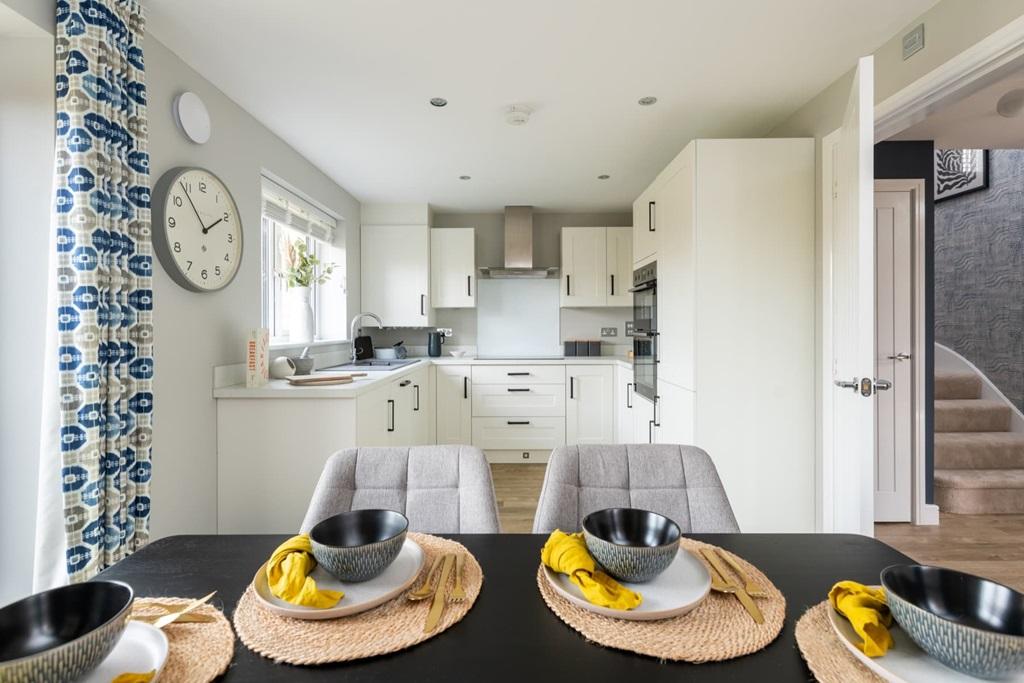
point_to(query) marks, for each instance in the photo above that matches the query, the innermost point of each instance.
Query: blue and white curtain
(95, 460)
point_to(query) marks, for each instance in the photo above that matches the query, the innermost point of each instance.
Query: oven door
(645, 364)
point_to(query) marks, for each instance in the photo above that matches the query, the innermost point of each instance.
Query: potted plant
(301, 270)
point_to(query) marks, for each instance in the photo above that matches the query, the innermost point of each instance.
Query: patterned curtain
(103, 285)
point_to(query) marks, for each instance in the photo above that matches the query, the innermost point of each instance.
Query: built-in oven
(645, 330)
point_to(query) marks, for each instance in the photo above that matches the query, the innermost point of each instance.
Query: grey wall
(26, 166)
(576, 323)
(979, 274)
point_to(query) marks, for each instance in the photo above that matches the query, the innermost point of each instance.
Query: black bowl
(64, 633)
(632, 545)
(359, 545)
(970, 624)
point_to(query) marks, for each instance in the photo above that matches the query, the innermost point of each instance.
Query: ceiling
(972, 122)
(347, 84)
(13, 25)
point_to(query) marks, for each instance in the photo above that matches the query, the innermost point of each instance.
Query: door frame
(921, 512)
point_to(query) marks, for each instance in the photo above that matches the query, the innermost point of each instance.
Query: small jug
(434, 341)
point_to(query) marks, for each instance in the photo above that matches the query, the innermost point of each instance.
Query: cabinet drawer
(503, 400)
(515, 433)
(519, 374)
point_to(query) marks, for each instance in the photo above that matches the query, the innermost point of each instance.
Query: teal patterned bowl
(632, 545)
(358, 545)
(968, 623)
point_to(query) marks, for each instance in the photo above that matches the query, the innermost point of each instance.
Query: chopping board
(322, 380)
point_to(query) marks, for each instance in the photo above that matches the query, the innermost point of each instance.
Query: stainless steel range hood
(518, 248)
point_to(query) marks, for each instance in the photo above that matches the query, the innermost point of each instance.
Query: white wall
(26, 166)
(193, 332)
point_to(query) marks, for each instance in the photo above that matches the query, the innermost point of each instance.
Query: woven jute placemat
(393, 626)
(718, 629)
(199, 651)
(826, 657)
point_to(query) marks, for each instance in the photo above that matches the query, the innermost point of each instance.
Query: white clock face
(202, 230)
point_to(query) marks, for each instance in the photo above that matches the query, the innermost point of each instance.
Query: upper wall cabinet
(597, 266)
(453, 267)
(645, 225)
(395, 274)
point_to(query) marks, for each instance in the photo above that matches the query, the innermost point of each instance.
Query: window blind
(287, 208)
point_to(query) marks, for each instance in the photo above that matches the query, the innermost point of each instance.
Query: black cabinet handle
(516, 389)
(423, 304)
(613, 285)
(391, 411)
(657, 413)
(405, 383)
(517, 374)
(650, 431)
(572, 385)
(567, 285)
(465, 387)
(650, 217)
(469, 282)
(629, 395)
(518, 422)
(416, 387)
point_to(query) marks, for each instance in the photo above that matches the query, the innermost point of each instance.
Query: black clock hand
(187, 196)
(207, 228)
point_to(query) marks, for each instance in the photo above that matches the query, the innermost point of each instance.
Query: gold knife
(437, 607)
(734, 587)
(168, 619)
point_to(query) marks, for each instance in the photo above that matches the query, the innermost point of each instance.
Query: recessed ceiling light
(438, 101)
(647, 101)
(603, 176)
(1011, 104)
(464, 177)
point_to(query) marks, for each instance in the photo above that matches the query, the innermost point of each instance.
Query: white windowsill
(284, 346)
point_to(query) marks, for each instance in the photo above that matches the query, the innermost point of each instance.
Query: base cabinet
(673, 415)
(453, 404)
(625, 430)
(396, 414)
(589, 407)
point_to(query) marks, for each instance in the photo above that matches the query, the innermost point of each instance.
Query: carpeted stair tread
(971, 415)
(979, 450)
(980, 479)
(957, 385)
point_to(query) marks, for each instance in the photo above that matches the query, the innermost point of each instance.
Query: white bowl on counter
(457, 353)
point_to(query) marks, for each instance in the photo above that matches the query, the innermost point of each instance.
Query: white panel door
(645, 243)
(395, 274)
(420, 414)
(584, 266)
(453, 267)
(674, 415)
(894, 362)
(853, 313)
(373, 417)
(643, 419)
(620, 266)
(453, 405)
(589, 409)
(625, 431)
(403, 421)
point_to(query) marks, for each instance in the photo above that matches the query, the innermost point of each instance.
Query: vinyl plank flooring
(517, 489)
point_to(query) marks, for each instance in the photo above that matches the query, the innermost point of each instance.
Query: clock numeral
(216, 271)
(204, 273)
(227, 217)
(227, 258)
(171, 222)
(202, 187)
(177, 200)
(189, 266)
(231, 238)
(177, 247)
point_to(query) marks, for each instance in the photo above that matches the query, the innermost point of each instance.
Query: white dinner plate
(676, 591)
(359, 597)
(905, 662)
(142, 648)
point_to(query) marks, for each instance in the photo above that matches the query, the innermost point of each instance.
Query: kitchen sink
(375, 364)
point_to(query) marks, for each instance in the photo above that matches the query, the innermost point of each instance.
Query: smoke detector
(1011, 104)
(518, 115)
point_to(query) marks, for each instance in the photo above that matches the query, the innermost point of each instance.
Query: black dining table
(510, 634)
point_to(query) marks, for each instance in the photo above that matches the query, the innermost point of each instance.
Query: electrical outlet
(609, 332)
(629, 328)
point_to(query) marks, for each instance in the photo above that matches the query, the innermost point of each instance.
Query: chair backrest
(679, 482)
(441, 489)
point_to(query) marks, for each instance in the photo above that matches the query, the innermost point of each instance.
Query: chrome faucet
(352, 329)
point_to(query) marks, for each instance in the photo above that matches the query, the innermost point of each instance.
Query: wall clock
(197, 231)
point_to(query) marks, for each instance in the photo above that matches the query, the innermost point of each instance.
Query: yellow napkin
(135, 678)
(288, 575)
(868, 613)
(567, 554)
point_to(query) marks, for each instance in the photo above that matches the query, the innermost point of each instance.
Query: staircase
(979, 462)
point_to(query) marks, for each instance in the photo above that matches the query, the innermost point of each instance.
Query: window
(290, 221)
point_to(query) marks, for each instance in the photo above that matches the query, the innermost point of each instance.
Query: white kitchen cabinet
(645, 225)
(673, 415)
(589, 409)
(395, 274)
(453, 405)
(397, 413)
(619, 257)
(584, 267)
(453, 267)
(643, 419)
(676, 274)
(597, 267)
(625, 431)
(518, 433)
(501, 400)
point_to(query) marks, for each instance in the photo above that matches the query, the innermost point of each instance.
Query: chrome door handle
(900, 356)
(842, 384)
(882, 385)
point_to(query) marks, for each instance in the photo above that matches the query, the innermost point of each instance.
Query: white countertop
(279, 388)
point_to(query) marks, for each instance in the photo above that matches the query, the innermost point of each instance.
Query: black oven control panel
(645, 274)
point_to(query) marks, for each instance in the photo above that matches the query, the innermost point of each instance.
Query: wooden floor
(988, 545)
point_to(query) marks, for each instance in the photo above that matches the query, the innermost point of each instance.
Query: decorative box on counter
(582, 348)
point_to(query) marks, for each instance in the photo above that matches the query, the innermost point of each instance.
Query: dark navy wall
(917, 160)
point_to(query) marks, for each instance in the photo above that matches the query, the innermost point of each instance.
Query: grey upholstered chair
(679, 482)
(441, 489)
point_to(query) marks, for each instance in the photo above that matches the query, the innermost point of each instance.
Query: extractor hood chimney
(519, 248)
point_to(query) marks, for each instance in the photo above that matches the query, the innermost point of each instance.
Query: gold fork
(458, 593)
(427, 588)
(753, 590)
(719, 585)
